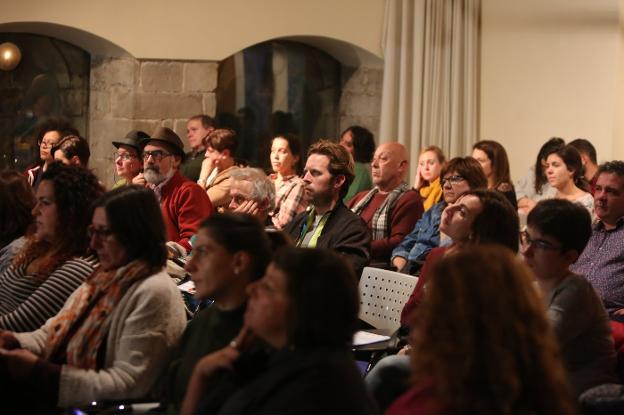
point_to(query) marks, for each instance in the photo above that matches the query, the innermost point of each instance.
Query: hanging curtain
(431, 75)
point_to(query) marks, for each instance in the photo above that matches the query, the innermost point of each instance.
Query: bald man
(391, 208)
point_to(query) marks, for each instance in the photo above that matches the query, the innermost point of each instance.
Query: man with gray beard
(184, 204)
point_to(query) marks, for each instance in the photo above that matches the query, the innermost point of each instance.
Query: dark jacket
(344, 232)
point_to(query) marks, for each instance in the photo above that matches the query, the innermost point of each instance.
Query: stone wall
(360, 103)
(129, 94)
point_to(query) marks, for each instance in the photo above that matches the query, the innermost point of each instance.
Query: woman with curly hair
(16, 219)
(55, 260)
(360, 143)
(482, 343)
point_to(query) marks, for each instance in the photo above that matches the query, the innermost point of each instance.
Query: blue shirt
(424, 236)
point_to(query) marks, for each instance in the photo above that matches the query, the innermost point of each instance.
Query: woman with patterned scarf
(112, 338)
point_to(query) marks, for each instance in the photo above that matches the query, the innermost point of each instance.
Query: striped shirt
(26, 302)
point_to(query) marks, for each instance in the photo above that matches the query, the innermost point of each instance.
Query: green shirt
(362, 181)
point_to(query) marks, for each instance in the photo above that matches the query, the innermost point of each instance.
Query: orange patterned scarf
(78, 330)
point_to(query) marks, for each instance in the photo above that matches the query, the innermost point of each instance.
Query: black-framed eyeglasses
(451, 179)
(101, 233)
(526, 241)
(157, 155)
(124, 156)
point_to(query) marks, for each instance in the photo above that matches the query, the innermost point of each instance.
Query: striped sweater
(27, 302)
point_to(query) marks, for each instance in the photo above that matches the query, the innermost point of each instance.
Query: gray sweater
(582, 327)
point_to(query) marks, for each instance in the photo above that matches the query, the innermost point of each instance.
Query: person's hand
(405, 351)
(249, 206)
(18, 362)
(399, 262)
(619, 312)
(139, 179)
(418, 179)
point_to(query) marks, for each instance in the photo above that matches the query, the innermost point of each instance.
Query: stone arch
(95, 45)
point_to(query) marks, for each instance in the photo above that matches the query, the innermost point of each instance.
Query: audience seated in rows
(459, 175)
(183, 203)
(49, 133)
(16, 219)
(534, 186)
(128, 157)
(217, 167)
(549, 246)
(114, 335)
(54, 261)
(311, 369)
(197, 129)
(602, 260)
(492, 157)
(360, 143)
(477, 217)
(328, 223)
(482, 344)
(589, 160)
(391, 208)
(231, 251)
(427, 182)
(252, 192)
(290, 197)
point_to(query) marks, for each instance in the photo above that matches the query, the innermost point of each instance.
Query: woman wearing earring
(289, 187)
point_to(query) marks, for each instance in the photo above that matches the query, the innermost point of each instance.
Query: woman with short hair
(112, 338)
(312, 369)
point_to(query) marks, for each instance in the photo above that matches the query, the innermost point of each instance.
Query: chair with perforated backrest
(383, 294)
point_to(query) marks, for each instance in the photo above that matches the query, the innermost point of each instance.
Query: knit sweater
(142, 330)
(26, 301)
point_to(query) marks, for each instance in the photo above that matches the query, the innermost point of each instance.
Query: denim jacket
(424, 236)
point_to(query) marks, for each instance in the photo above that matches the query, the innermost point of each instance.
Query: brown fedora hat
(167, 136)
(132, 139)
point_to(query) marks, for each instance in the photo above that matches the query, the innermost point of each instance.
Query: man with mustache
(602, 260)
(183, 203)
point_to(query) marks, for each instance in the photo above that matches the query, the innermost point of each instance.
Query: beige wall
(550, 68)
(209, 29)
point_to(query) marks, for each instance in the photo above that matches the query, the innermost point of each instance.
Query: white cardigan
(143, 329)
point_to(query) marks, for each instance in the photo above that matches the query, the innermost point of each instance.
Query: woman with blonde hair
(482, 343)
(427, 181)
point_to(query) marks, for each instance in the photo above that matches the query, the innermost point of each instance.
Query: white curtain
(431, 75)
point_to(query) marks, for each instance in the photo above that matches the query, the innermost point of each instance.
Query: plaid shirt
(289, 200)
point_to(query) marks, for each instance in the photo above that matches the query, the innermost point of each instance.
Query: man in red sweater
(391, 208)
(183, 203)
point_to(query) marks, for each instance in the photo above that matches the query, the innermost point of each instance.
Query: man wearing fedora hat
(128, 162)
(183, 203)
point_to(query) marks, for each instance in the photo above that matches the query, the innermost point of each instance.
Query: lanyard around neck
(317, 232)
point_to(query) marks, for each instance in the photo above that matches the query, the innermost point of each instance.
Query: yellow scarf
(431, 194)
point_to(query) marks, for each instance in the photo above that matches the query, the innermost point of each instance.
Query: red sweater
(184, 207)
(406, 212)
(425, 273)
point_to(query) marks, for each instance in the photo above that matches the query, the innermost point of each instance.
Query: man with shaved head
(391, 208)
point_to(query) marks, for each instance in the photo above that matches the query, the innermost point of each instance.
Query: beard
(152, 175)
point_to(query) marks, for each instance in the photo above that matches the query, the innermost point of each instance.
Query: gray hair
(262, 187)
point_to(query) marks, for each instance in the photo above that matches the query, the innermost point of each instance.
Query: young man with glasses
(184, 204)
(458, 176)
(557, 232)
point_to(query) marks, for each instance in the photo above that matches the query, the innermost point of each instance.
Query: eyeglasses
(451, 179)
(526, 241)
(101, 233)
(157, 155)
(124, 156)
